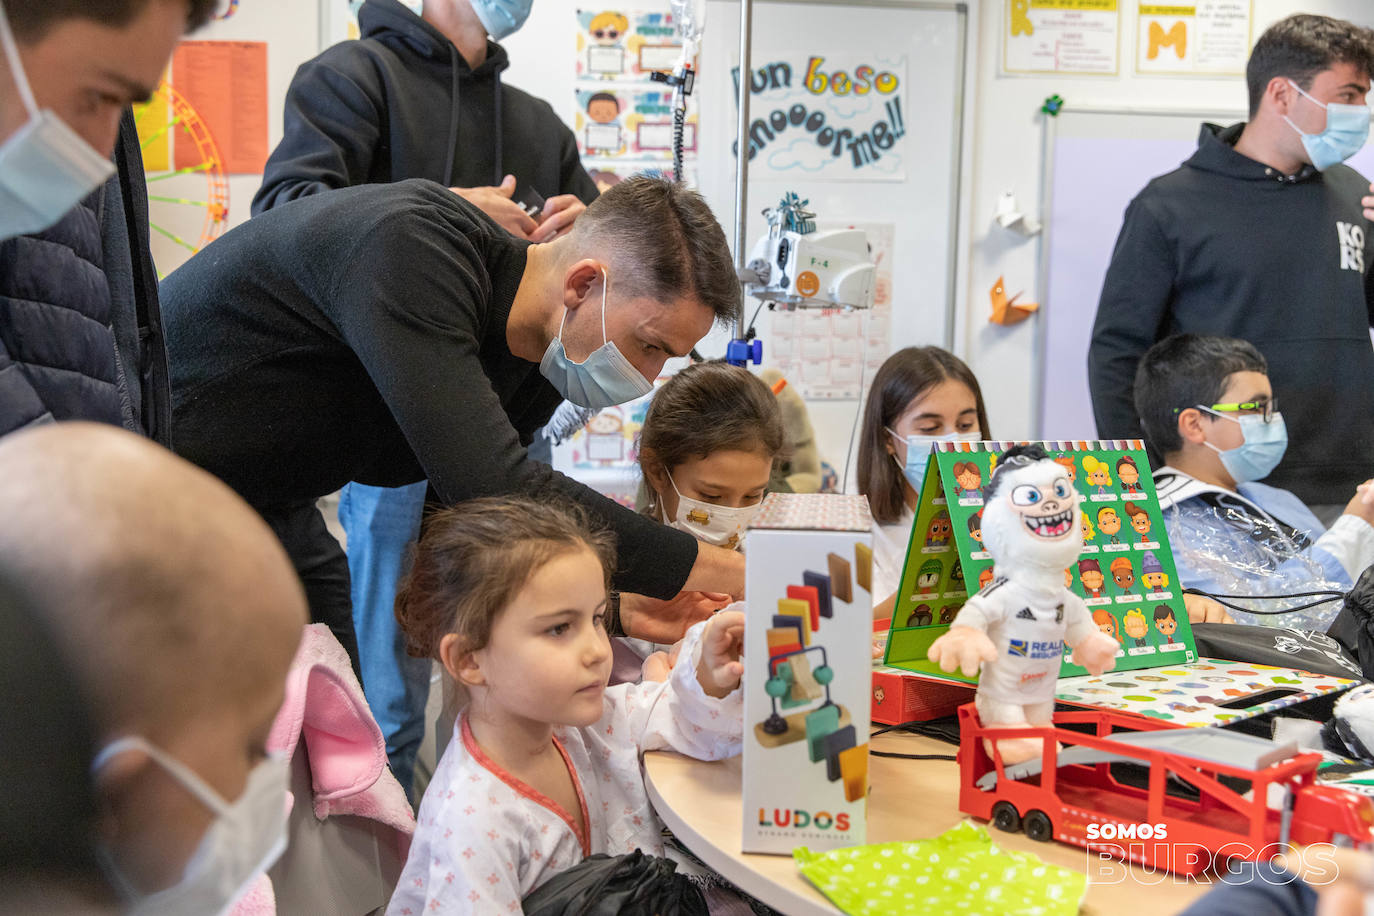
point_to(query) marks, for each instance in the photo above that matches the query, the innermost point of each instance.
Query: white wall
(1007, 156)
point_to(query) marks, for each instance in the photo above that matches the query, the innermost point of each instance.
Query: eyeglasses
(1266, 409)
(612, 34)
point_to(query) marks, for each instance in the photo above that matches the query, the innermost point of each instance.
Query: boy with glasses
(1207, 406)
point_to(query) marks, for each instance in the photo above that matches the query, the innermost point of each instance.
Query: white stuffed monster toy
(1017, 626)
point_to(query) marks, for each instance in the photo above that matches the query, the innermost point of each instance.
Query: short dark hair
(668, 240)
(474, 557)
(904, 377)
(1163, 612)
(31, 19)
(1183, 371)
(1018, 456)
(709, 407)
(1302, 46)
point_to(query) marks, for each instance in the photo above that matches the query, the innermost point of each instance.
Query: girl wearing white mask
(920, 396)
(711, 439)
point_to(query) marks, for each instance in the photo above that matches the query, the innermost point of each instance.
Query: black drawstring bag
(1353, 627)
(633, 885)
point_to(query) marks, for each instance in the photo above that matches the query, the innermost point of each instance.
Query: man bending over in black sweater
(389, 333)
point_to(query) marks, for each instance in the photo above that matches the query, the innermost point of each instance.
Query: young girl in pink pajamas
(543, 769)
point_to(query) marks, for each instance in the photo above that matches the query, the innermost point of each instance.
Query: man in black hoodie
(418, 97)
(1260, 235)
(421, 97)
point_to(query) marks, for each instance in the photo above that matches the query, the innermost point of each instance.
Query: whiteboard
(1100, 160)
(922, 207)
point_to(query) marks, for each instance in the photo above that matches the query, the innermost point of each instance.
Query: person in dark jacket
(392, 333)
(1260, 236)
(80, 334)
(418, 97)
(423, 98)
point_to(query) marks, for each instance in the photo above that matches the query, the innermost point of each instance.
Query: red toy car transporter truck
(1209, 794)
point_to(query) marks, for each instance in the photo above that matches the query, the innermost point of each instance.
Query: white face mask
(46, 168)
(711, 524)
(244, 840)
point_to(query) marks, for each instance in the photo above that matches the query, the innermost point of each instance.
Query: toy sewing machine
(797, 267)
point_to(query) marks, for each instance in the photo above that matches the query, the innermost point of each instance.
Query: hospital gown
(1260, 541)
(484, 839)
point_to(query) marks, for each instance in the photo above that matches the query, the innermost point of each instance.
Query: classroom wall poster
(625, 45)
(1203, 37)
(831, 354)
(630, 123)
(827, 116)
(1061, 36)
(624, 118)
(226, 83)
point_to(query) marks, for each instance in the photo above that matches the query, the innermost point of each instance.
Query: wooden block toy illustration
(854, 772)
(794, 728)
(792, 682)
(840, 586)
(863, 566)
(819, 723)
(808, 594)
(782, 640)
(801, 621)
(821, 583)
(842, 739)
(804, 685)
(802, 609)
(787, 675)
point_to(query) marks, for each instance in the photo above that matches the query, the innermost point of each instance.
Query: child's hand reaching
(719, 670)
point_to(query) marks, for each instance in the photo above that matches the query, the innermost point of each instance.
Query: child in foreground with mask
(185, 613)
(1207, 406)
(543, 769)
(711, 438)
(920, 396)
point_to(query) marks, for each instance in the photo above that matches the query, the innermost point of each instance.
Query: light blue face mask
(602, 379)
(918, 450)
(1263, 448)
(1347, 129)
(46, 168)
(502, 17)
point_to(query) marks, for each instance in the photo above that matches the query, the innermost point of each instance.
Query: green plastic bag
(960, 871)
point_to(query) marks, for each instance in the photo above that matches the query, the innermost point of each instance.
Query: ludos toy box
(808, 670)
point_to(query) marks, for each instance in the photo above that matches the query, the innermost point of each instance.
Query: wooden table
(909, 800)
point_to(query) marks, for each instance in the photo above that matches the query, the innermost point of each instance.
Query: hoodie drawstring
(452, 117)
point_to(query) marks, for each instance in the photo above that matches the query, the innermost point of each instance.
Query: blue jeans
(381, 523)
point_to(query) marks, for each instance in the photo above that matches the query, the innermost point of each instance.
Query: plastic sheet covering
(1232, 553)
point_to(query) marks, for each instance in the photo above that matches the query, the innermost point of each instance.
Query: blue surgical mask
(1263, 448)
(502, 17)
(1347, 129)
(918, 453)
(46, 168)
(602, 379)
